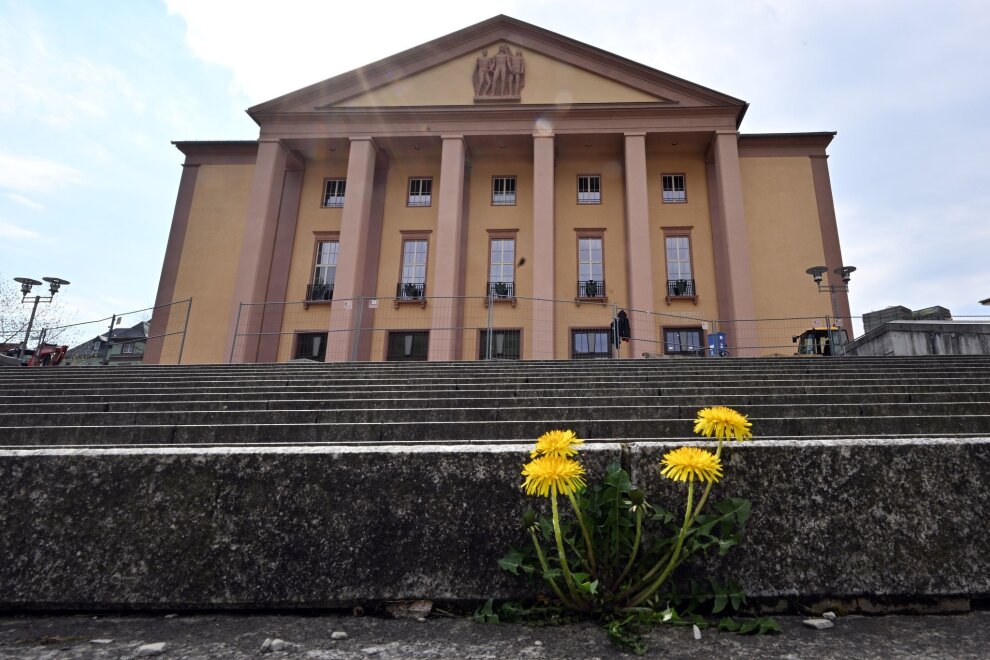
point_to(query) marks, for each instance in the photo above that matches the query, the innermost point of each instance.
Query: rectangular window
(680, 281)
(683, 341)
(589, 343)
(589, 189)
(501, 272)
(325, 271)
(333, 193)
(420, 192)
(96, 345)
(311, 346)
(505, 345)
(591, 278)
(673, 189)
(504, 191)
(127, 349)
(406, 345)
(412, 285)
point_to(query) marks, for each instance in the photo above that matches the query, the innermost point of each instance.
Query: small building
(910, 337)
(121, 346)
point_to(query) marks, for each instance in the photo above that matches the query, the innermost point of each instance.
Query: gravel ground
(243, 635)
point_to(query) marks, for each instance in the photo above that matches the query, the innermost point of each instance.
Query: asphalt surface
(958, 636)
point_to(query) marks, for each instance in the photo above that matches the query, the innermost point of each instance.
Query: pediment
(556, 70)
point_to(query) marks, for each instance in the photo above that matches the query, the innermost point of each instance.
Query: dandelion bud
(636, 496)
(529, 518)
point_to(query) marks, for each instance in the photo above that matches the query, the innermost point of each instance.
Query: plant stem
(546, 569)
(674, 557)
(635, 549)
(564, 568)
(708, 486)
(584, 533)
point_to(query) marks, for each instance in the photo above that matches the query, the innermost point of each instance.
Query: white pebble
(829, 615)
(818, 624)
(339, 634)
(100, 641)
(151, 649)
(697, 632)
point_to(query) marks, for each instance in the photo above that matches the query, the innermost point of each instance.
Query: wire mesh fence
(153, 334)
(503, 326)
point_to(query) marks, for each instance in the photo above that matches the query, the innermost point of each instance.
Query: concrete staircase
(313, 485)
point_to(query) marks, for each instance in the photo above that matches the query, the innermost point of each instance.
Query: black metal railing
(410, 291)
(591, 289)
(502, 289)
(678, 288)
(319, 291)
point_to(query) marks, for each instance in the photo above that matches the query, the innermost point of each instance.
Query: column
(254, 265)
(732, 274)
(830, 235)
(161, 317)
(639, 260)
(448, 279)
(543, 334)
(354, 238)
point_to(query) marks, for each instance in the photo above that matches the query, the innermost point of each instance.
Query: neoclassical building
(501, 177)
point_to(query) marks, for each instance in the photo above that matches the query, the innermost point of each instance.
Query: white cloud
(26, 173)
(25, 201)
(12, 231)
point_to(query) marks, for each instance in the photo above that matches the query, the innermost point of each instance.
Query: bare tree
(14, 314)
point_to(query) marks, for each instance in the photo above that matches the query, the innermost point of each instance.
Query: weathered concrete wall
(923, 338)
(330, 526)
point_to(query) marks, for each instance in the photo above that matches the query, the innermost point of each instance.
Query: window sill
(693, 299)
(501, 299)
(597, 300)
(307, 303)
(409, 301)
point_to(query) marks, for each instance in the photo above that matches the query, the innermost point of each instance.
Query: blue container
(716, 345)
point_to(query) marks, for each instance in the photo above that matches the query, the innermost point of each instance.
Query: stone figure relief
(501, 76)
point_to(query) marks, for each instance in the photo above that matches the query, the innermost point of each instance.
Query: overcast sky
(92, 94)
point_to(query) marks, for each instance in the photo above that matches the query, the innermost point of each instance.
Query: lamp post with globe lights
(54, 283)
(844, 272)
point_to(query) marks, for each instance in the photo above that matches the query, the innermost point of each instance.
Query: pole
(113, 322)
(237, 328)
(34, 309)
(185, 327)
(355, 345)
(491, 313)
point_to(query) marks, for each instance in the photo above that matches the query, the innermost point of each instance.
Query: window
(673, 189)
(589, 189)
(333, 193)
(325, 271)
(96, 345)
(501, 271)
(683, 341)
(412, 285)
(505, 345)
(311, 346)
(405, 345)
(680, 281)
(420, 192)
(504, 191)
(589, 343)
(591, 279)
(127, 349)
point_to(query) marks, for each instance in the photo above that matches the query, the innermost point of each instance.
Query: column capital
(454, 136)
(363, 138)
(634, 134)
(543, 133)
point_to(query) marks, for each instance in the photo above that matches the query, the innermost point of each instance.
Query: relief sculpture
(500, 77)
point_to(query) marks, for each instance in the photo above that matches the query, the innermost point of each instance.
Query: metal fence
(504, 326)
(104, 341)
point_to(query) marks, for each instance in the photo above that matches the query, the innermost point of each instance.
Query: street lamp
(26, 284)
(844, 272)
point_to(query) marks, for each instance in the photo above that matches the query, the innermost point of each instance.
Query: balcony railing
(680, 289)
(410, 291)
(319, 291)
(502, 289)
(591, 289)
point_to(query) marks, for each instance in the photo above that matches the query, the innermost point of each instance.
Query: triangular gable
(558, 70)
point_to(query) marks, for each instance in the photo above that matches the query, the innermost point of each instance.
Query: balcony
(681, 290)
(591, 290)
(501, 292)
(318, 292)
(410, 292)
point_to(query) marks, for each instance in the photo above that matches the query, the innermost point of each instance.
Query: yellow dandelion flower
(722, 422)
(556, 443)
(686, 463)
(563, 475)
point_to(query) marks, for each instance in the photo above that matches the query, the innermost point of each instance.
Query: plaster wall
(210, 254)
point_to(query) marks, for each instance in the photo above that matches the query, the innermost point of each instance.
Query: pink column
(639, 260)
(447, 281)
(733, 275)
(254, 265)
(353, 250)
(543, 242)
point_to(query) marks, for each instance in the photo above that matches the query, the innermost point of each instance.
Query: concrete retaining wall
(327, 526)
